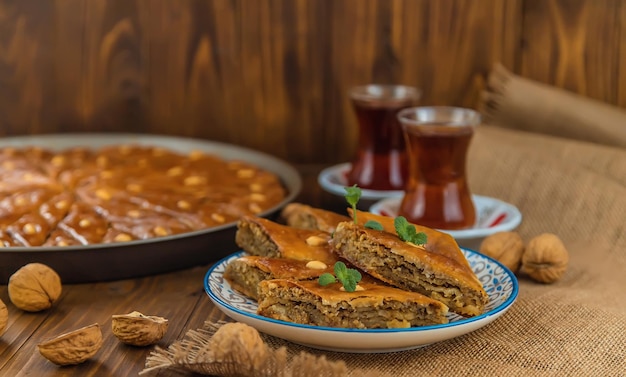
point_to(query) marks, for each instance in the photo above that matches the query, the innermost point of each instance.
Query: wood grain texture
(577, 45)
(273, 75)
(24, 30)
(177, 296)
(115, 53)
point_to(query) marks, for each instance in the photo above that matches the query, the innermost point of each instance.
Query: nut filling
(295, 304)
(255, 240)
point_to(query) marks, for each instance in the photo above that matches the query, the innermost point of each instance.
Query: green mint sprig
(353, 194)
(405, 230)
(347, 276)
(408, 233)
(373, 224)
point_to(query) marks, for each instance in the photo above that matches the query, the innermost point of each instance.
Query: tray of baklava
(112, 206)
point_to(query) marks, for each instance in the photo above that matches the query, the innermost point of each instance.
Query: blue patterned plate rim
(455, 320)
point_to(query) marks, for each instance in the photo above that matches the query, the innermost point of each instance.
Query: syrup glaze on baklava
(81, 196)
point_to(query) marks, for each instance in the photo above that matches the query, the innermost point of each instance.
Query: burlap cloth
(516, 102)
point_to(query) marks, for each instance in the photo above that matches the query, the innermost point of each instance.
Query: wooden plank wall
(579, 45)
(273, 74)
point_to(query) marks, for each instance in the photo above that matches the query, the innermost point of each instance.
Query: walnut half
(73, 347)
(137, 329)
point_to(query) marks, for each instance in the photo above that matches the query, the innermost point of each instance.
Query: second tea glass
(437, 194)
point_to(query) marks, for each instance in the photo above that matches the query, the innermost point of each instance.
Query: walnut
(73, 347)
(506, 247)
(545, 259)
(239, 339)
(137, 329)
(4, 317)
(34, 287)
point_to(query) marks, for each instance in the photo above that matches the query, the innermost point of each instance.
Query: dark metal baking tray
(103, 262)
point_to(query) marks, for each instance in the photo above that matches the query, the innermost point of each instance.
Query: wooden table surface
(178, 296)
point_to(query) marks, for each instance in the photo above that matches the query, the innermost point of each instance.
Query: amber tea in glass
(437, 194)
(381, 161)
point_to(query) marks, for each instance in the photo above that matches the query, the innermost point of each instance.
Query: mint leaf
(348, 277)
(354, 274)
(349, 284)
(407, 231)
(326, 278)
(373, 224)
(420, 238)
(353, 194)
(341, 270)
(350, 280)
(402, 228)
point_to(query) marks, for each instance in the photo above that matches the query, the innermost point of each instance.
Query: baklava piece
(371, 306)
(434, 270)
(263, 237)
(438, 242)
(245, 273)
(300, 215)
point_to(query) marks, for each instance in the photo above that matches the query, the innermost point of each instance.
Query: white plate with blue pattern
(499, 283)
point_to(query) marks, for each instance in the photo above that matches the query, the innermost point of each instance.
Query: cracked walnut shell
(545, 259)
(73, 347)
(506, 247)
(137, 329)
(34, 287)
(4, 317)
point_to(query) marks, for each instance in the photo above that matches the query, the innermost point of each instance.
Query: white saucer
(334, 180)
(492, 216)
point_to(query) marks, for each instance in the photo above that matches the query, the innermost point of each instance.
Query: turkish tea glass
(437, 193)
(381, 161)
